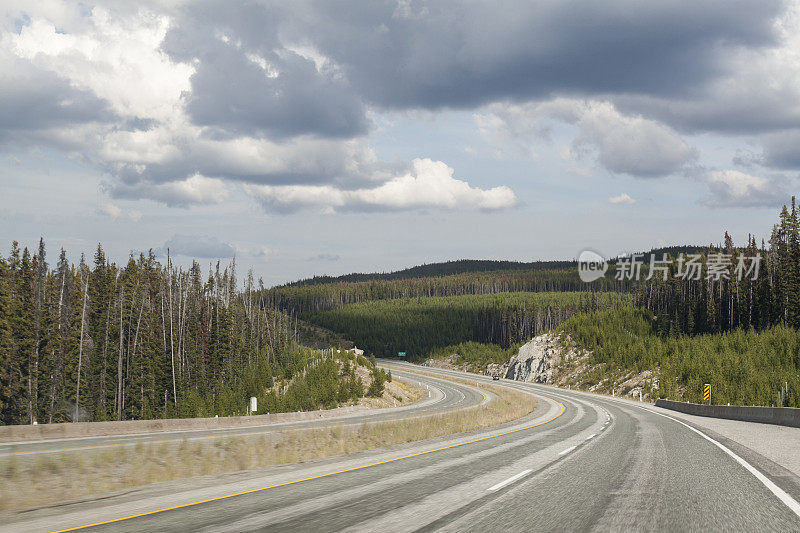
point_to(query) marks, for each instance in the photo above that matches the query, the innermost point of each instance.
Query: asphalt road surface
(579, 462)
(444, 396)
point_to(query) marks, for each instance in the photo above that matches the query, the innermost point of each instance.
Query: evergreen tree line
(146, 340)
(475, 356)
(711, 305)
(311, 297)
(446, 268)
(418, 325)
(744, 367)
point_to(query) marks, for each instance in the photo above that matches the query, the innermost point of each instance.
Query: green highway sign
(401, 354)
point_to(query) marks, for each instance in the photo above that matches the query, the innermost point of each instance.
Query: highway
(579, 462)
(444, 396)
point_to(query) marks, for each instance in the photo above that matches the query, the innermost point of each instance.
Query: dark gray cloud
(197, 246)
(621, 144)
(280, 91)
(236, 95)
(347, 164)
(194, 190)
(733, 105)
(247, 82)
(667, 61)
(782, 150)
(414, 54)
(456, 54)
(33, 99)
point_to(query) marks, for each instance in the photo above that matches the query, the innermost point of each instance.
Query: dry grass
(36, 480)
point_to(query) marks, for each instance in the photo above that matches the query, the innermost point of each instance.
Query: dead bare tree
(80, 351)
(118, 395)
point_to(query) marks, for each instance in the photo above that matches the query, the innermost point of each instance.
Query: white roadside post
(253, 404)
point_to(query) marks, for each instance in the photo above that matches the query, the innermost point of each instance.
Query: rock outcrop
(535, 362)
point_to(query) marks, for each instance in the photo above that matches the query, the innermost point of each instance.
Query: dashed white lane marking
(510, 480)
(567, 450)
(590, 437)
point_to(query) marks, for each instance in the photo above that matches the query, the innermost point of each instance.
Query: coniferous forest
(736, 330)
(719, 303)
(101, 341)
(418, 325)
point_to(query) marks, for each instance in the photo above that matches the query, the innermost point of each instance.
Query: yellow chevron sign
(707, 392)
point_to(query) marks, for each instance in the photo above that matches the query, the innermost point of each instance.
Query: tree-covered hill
(148, 340)
(418, 325)
(446, 268)
(303, 299)
(744, 367)
(452, 278)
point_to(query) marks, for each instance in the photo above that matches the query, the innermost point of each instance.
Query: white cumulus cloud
(623, 144)
(429, 184)
(117, 58)
(196, 189)
(111, 210)
(623, 198)
(736, 188)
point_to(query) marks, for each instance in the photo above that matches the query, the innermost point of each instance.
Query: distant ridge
(463, 266)
(446, 268)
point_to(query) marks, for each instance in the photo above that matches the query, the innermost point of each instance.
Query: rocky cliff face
(545, 359)
(535, 362)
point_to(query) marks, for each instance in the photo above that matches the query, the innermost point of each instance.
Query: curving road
(444, 396)
(579, 462)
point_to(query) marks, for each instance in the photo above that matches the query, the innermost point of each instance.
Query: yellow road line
(361, 467)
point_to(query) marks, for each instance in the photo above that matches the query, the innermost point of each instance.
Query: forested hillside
(744, 367)
(418, 325)
(103, 341)
(450, 278)
(727, 300)
(736, 325)
(447, 268)
(146, 340)
(299, 299)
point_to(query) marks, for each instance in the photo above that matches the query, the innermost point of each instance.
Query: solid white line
(512, 479)
(567, 450)
(590, 437)
(790, 502)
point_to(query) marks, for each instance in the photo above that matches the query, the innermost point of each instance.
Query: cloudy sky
(329, 137)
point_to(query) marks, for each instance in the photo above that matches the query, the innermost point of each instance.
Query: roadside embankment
(396, 393)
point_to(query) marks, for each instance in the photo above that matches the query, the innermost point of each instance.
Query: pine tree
(6, 345)
(791, 266)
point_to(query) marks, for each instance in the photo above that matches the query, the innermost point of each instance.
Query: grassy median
(40, 480)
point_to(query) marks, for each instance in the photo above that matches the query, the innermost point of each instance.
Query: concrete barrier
(782, 416)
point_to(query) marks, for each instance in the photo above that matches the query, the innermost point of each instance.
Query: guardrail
(782, 416)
